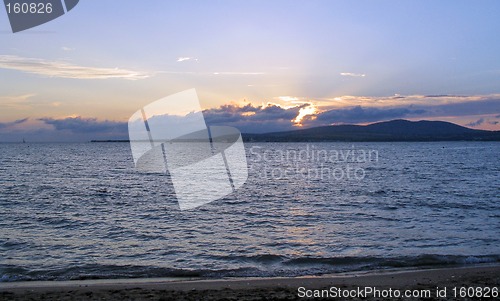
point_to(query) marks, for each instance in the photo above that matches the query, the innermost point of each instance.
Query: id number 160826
(29, 8)
(475, 292)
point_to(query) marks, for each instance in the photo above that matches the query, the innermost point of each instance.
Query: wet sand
(260, 288)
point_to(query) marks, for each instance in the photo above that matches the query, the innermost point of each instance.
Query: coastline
(279, 288)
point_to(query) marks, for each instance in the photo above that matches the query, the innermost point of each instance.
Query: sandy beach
(359, 286)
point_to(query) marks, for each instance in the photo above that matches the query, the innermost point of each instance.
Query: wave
(244, 266)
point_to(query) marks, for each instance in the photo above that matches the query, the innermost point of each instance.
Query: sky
(261, 66)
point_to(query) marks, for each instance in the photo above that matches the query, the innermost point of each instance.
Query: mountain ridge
(394, 130)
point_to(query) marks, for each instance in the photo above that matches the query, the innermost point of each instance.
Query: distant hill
(395, 130)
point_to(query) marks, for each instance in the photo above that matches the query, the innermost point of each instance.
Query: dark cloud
(85, 129)
(228, 113)
(493, 122)
(479, 107)
(9, 124)
(476, 123)
(79, 125)
(443, 95)
(250, 119)
(360, 115)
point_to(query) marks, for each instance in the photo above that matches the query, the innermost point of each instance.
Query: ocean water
(82, 211)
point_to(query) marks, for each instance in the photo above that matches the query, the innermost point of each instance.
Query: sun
(303, 112)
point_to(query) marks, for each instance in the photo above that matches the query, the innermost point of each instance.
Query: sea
(83, 211)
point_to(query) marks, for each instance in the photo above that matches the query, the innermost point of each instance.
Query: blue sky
(350, 61)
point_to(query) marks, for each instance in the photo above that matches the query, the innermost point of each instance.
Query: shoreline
(279, 288)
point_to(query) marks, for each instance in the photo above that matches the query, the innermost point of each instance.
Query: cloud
(186, 58)
(64, 48)
(288, 98)
(363, 109)
(359, 114)
(65, 70)
(254, 119)
(434, 105)
(17, 101)
(213, 73)
(444, 95)
(400, 100)
(467, 108)
(308, 111)
(476, 123)
(493, 122)
(87, 125)
(26, 102)
(238, 73)
(248, 118)
(6, 125)
(66, 129)
(352, 74)
(17, 98)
